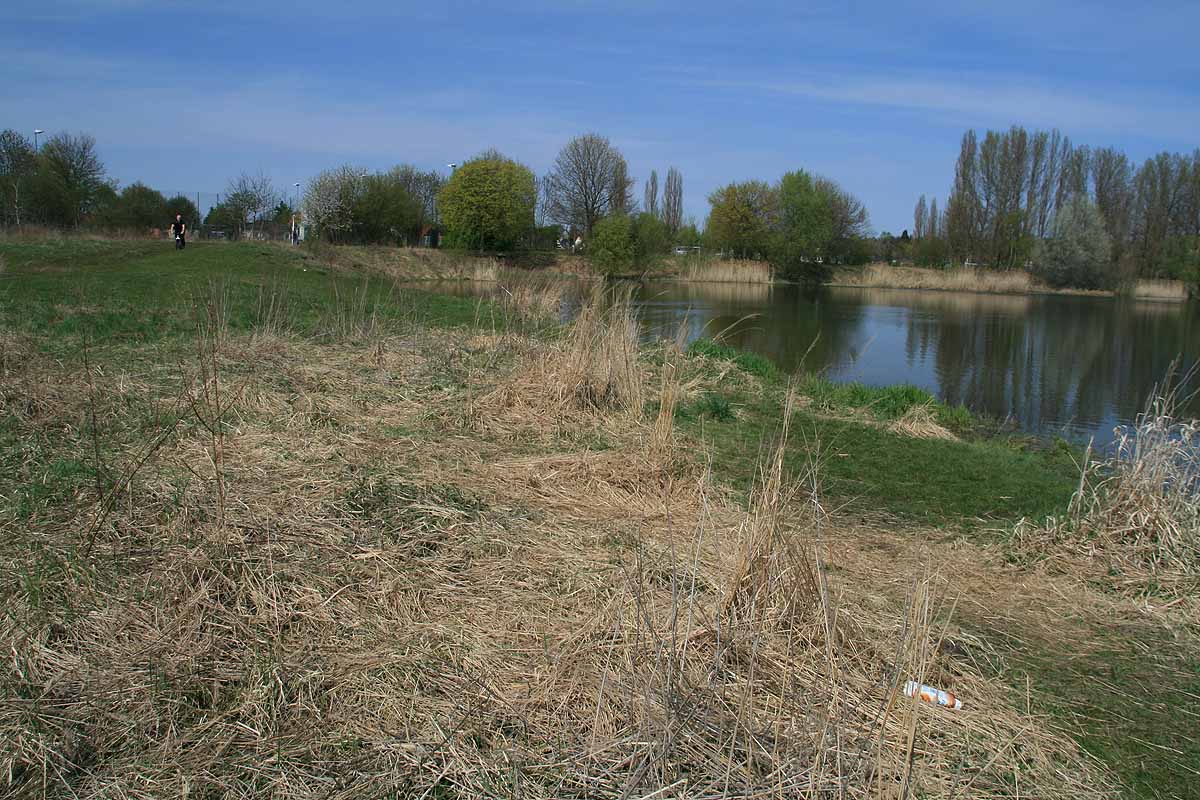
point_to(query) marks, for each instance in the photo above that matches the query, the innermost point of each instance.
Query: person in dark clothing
(179, 228)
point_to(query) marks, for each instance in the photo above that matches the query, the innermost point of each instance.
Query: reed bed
(726, 271)
(958, 279)
(1148, 289)
(275, 604)
(1134, 522)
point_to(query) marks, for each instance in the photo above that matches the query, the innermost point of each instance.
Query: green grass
(138, 293)
(1130, 699)
(867, 468)
(750, 363)
(884, 402)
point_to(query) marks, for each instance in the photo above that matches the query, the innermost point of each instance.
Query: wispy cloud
(991, 100)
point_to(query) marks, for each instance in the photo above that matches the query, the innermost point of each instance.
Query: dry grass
(1174, 291)
(919, 422)
(292, 596)
(532, 300)
(883, 276)
(964, 279)
(409, 263)
(39, 234)
(726, 271)
(1134, 522)
(594, 370)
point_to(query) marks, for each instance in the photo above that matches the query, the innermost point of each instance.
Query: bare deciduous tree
(581, 187)
(16, 167)
(251, 196)
(71, 162)
(920, 217)
(847, 214)
(424, 186)
(1112, 179)
(650, 202)
(622, 190)
(673, 201)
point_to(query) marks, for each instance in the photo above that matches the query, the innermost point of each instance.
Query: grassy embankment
(271, 527)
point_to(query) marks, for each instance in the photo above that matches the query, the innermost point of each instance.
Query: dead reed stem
(1134, 521)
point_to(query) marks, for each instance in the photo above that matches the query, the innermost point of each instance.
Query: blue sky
(876, 95)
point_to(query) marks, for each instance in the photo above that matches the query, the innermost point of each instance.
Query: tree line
(63, 184)
(1020, 197)
(803, 225)
(493, 202)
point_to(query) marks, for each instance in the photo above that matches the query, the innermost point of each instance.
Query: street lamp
(452, 166)
(295, 208)
(36, 132)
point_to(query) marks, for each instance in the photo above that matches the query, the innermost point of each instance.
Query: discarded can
(931, 695)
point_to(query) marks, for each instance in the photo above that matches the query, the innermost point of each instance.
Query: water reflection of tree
(780, 322)
(1052, 360)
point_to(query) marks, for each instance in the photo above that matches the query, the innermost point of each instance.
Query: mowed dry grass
(460, 564)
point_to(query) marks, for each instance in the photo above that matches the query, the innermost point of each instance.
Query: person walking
(179, 228)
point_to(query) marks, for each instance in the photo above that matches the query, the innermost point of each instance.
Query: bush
(793, 261)
(611, 247)
(651, 240)
(1181, 261)
(1078, 253)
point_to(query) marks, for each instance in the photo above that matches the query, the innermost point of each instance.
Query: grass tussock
(1134, 522)
(593, 370)
(531, 301)
(725, 271)
(921, 422)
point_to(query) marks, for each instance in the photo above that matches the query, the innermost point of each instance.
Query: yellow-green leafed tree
(488, 204)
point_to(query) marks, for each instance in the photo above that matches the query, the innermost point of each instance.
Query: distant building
(431, 236)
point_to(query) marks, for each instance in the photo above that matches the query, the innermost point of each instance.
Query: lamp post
(295, 210)
(36, 133)
(452, 166)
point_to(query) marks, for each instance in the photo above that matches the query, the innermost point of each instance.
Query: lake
(1052, 364)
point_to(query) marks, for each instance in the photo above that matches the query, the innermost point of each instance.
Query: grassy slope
(869, 469)
(123, 296)
(132, 304)
(137, 292)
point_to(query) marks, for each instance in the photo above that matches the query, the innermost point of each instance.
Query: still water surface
(1077, 366)
(1053, 365)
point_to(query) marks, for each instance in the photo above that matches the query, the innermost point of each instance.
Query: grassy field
(272, 523)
